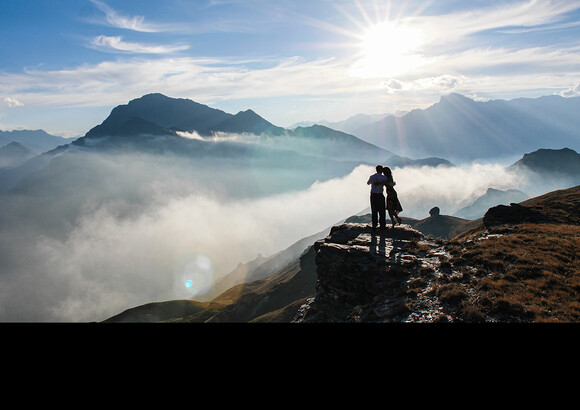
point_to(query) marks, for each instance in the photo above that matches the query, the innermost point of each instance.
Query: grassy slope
(523, 272)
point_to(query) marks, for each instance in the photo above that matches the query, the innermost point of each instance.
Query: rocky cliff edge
(376, 276)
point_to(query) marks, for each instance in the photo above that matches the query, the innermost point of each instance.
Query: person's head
(379, 168)
(387, 172)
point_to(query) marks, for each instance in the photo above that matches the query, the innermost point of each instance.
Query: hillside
(515, 271)
(276, 298)
(15, 154)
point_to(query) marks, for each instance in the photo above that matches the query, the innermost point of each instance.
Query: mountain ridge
(460, 129)
(178, 114)
(37, 140)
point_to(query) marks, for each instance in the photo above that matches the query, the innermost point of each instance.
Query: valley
(173, 211)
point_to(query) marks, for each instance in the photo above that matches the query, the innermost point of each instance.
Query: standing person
(393, 204)
(376, 181)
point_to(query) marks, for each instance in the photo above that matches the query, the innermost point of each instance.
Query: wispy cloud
(204, 79)
(547, 27)
(135, 23)
(454, 26)
(116, 44)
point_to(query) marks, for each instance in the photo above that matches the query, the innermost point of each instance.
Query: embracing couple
(383, 178)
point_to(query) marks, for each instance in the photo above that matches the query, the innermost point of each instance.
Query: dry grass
(529, 273)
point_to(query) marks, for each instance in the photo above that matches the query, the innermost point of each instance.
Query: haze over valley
(151, 152)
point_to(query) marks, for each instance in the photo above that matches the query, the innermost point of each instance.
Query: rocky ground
(377, 276)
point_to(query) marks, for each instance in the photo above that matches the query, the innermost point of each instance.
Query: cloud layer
(87, 252)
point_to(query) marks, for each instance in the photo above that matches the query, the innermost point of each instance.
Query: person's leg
(374, 211)
(392, 216)
(382, 211)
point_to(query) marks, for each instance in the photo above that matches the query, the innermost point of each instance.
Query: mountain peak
(454, 98)
(172, 114)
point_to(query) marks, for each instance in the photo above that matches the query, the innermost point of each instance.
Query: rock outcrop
(382, 276)
(512, 214)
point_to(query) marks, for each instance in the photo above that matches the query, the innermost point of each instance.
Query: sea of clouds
(171, 240)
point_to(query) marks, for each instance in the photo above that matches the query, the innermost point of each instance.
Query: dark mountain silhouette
(460, 129)
(15, 154)
(547, 169)
(175, 114)
(551, 163)
(37, 140)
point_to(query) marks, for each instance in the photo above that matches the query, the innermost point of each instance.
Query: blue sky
(66, 63)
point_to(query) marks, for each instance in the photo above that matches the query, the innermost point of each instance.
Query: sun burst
(389, 48)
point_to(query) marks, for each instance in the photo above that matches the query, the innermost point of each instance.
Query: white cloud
(135, 23)
(539, 59)
(13, 102)
(116, 43)
(203, 79)
(571, 92)
(476, 97)
(107, 263)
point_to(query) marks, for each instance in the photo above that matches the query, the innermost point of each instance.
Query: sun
(388, 49)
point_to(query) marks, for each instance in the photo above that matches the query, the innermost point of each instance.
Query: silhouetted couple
(383, 178)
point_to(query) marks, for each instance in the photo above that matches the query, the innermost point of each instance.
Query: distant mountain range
(460, 129)
(349, 125)
(37, 140)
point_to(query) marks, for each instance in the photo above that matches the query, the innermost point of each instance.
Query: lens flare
(194, 275)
